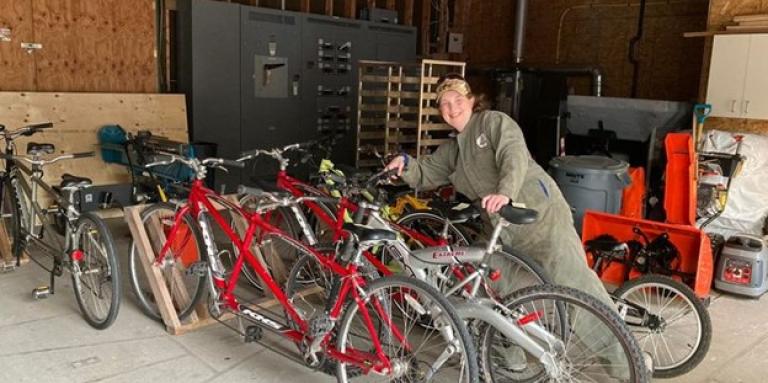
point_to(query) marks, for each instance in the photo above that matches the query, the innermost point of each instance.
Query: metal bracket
(30, 47)
(5, 34)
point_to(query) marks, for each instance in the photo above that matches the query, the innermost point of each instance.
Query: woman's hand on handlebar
(397, 163)
(492, 203)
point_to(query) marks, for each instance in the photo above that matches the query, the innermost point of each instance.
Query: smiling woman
(488, 161)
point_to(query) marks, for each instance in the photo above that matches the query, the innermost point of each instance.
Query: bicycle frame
(199, 204)
(294, 186)
(31, 211)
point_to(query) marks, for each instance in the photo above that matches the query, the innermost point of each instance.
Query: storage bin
(590, 183)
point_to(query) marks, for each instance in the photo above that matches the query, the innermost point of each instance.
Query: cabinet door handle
(746, 106)
(733, 106)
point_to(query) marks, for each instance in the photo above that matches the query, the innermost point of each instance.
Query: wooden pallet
(165, 298)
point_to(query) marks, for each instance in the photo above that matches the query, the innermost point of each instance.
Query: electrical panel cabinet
(260, 78)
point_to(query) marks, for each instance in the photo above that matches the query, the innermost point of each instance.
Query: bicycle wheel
(279, 256)
(430, 324)
(9, 211)
(596, 345)
(96, 276)
(671, 324)
(431, 225)
(185, 287)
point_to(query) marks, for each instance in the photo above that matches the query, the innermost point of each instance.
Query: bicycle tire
(101, 275)
(194, 285)
(11, 219)
(433, 300)
(577, 305)
(673, 366)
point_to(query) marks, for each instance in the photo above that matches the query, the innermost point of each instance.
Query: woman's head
(455, 100)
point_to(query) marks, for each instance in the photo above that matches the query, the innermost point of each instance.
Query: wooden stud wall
(721, 12)
(77, 117)
(95, 46)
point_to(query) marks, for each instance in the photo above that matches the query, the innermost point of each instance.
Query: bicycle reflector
(494, 275)
(738, 272)
(77, 255)
(528, 318)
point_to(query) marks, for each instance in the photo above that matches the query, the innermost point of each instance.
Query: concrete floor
(48, 341)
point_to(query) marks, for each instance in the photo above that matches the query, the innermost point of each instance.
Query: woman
(488, 161)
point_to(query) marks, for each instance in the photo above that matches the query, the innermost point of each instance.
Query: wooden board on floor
(77, 118)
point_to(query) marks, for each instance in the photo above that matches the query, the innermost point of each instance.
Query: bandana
(455, 84)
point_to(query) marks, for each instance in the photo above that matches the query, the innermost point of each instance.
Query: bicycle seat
(34, 148)
(68, 181)
(518, 215)
(365, 233)
(455, 212)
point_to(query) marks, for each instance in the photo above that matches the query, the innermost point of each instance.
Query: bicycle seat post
(495, 236)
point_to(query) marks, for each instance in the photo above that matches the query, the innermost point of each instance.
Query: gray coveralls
(490, 156)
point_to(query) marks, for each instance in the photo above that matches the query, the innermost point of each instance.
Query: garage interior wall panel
(87, 46)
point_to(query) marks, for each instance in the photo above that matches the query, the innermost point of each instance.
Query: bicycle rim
(596, 346)
(427, 321)
(184, 286)
(96, 277)
(679, 336)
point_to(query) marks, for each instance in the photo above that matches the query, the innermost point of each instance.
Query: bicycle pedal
(253, 334)
(198, 269)
(41, 292)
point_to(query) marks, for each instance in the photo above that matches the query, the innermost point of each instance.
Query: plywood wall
(88, 45)
(721, 13)
(77, 117)
(597, 32)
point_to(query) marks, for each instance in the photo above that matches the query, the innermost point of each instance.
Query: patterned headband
(453, 84)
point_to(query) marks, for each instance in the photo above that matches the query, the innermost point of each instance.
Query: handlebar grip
(42, 125)
(249, 152)
(83, 155)
(242, 189)
(232, 163)
(2, 127)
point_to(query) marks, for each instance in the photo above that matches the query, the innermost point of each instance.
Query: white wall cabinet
(738, 76)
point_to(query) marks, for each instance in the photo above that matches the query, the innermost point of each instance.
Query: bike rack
(199, 317)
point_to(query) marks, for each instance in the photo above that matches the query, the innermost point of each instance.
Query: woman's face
(456, 109)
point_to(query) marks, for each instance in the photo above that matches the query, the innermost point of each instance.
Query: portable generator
(741, 268)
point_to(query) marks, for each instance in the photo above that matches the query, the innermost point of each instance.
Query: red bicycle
(395, 327)
(420, 229)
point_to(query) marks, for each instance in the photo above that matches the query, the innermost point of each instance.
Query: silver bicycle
(59, 237)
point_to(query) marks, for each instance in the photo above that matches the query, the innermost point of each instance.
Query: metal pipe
(521, 12)
(633, 43)
(593, 71)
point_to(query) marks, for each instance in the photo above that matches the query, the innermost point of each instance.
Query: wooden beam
(390, 4)
(426, 11)
(371, 4)
(328, 9)
(304, 6)
(442, 27)
(408, 12)
(350, 9)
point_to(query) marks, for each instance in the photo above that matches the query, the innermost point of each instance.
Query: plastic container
(692, 243)
(590, 183)
(742, 267)
(112, 139)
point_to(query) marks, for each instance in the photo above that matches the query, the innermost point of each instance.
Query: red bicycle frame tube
(200, 200)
